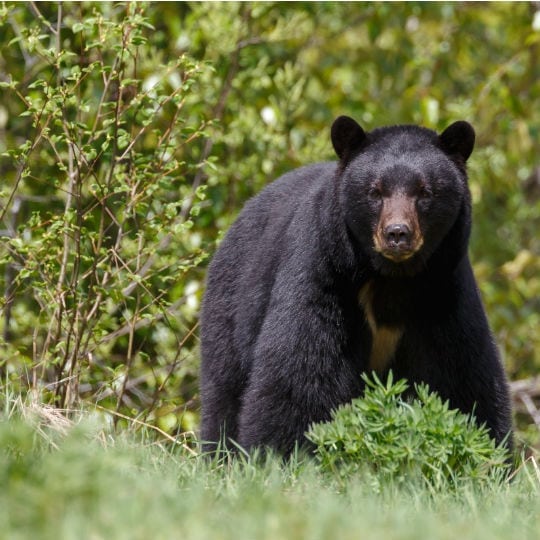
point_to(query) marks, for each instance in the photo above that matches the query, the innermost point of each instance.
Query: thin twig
(151, 426)
(534, 413)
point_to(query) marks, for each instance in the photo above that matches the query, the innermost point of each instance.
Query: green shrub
(100, 199)
(385, 433)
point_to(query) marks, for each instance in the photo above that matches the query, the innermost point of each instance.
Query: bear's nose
(397, 235)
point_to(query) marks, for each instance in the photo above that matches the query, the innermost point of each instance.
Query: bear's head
(404, 194)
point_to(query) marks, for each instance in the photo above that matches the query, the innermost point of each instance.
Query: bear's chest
(386, 326)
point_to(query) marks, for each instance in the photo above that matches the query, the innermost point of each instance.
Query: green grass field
(81, 481)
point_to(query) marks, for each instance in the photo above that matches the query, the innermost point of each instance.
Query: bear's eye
(375, 193)
(424, 193)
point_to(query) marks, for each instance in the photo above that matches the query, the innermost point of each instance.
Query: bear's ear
(346, 135)
(458, 139)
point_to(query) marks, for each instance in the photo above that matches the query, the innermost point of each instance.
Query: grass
(82, 481)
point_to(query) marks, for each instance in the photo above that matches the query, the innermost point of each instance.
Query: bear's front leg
(275, 416)
(295, 382)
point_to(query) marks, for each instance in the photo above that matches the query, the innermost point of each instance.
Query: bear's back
(282, 198)
(253, 240)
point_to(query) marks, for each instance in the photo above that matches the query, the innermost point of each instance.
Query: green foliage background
(131, 135)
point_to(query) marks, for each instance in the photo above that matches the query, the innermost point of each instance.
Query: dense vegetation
(133, 133)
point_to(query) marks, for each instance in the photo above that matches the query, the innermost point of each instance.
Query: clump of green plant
(385, 433)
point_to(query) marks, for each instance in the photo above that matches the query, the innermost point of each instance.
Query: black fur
(284, 337)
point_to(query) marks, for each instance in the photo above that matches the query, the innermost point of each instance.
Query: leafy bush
(397, 438)
(99, 200)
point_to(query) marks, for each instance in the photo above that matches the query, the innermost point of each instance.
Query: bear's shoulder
(291, 193)
(302, 180)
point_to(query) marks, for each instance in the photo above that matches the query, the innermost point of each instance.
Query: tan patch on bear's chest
(385, 339)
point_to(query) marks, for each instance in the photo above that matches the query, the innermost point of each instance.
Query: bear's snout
(398, 242)
(398, 235)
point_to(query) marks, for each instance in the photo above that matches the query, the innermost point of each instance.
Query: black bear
(340, 268)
